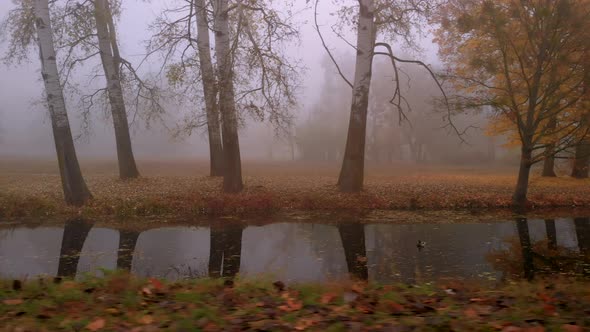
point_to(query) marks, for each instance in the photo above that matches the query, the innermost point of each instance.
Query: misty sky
(25, 126)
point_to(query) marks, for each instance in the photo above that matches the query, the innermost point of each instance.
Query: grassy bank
(33, 188)
(124, 303)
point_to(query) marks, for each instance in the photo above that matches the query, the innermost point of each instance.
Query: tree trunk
(353, 242)
(127, 243)
(292, 146)
(549, 162)
(519, 198)
(582, 160)
(209, 90)
(583, 234)
(353, 166)
(109, 55)
(527, 250)
(232, 175)
(551, 234)
(72, 242)
(225, 252)
(75, 190)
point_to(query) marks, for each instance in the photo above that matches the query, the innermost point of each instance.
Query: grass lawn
(33, 188)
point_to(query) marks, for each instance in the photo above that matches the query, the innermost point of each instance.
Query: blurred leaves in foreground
(120, 302)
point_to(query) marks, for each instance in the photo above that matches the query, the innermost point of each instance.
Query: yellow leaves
(175, 74)
(500, 59)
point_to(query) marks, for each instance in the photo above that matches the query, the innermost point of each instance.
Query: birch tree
(30, 21)
(352, 171)
(253, 75)
(372, 20)
(111, 63)
(210, 89)
(190, 69)
(232, 177)
(84, 31)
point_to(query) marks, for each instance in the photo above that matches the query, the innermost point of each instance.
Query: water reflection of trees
(127, 243)
(353, 241)
(74, 235)
(525, 258)
(225, 251)
(583, 234)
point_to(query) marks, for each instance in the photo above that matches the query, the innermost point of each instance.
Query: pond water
(299, 252)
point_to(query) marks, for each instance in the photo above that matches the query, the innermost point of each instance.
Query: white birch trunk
(74, 187)
(109, 54)
(232, 177)
(209, 89)
(352, 172)
(49, 71)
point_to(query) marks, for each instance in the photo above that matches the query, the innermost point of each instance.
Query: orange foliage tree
(524, 59)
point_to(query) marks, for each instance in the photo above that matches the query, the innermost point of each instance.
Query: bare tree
(374, 19)
(111, 62)
(253, 74)
(85, 30)
(28, 22)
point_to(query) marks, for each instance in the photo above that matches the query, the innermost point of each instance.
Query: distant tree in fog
(320, 137)
(29, 22)
(420, 133)
(417, 134)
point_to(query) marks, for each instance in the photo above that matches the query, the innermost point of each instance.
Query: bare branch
(317, 28)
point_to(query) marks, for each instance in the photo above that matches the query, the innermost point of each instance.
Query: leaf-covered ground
(120, 302)
(32, 188)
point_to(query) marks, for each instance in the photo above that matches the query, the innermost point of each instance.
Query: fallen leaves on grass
(12, 301)
(210, 305)
(35, 193)
(96, 325)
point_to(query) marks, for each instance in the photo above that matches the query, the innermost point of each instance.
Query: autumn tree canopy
(525, 60)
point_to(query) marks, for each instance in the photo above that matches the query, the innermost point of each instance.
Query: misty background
(321, 117)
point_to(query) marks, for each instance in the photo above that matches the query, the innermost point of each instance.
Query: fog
(321, 115)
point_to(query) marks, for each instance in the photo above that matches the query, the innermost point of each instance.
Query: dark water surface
(305, 251)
